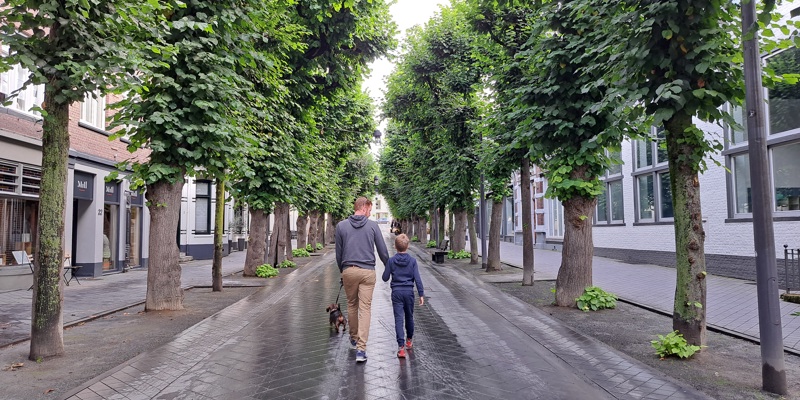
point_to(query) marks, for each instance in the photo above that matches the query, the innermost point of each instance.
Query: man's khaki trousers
(359, 283)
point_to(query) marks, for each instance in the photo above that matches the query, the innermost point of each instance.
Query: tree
(681, 64)
(570, 123)
(431, 94)
(187, 110)
(74, 49)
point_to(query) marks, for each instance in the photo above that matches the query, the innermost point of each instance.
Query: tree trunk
(459, 239)
(434, 226)
(689, 314)
(441, 219)
(320, 229)
(313, 218)
(473, 237)
(422, 229)
(164, 273)
(302, 231)
(330, 230)
(575, 272)
(280, 234)
(527, 227)
(219, 228)
(257, 243)
(47, 322)
(451, 229)
(288, 233)
(493, 262)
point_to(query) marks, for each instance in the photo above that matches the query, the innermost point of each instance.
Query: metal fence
(791, 270)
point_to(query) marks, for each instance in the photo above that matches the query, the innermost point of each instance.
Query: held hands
(421, 301)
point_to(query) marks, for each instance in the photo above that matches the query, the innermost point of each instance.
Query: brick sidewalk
(732, 304)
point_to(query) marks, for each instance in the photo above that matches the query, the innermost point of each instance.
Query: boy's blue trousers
(403, 306)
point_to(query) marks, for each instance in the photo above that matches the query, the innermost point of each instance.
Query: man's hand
(421, 301)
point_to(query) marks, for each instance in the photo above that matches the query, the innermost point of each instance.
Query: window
(12, 80)
(609, 204)
(202, 208)
(93, 110)
(19, 178)
(653, 193)
(783, 144)
(556, 229)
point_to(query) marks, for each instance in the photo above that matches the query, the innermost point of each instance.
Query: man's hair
(361, 202)
(401, 242)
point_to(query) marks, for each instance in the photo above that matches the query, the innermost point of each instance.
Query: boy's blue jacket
(403, 270)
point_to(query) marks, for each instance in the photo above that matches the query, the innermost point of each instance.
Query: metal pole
(482, 211)
(773, 370)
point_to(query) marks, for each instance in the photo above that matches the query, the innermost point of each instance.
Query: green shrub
(673, 344)
(287, 264)
(266, 271)
(300, 253)
(414, 238)
(309, 248)
(458, 254)
(320, 246)
(431, 244)
(594, 299)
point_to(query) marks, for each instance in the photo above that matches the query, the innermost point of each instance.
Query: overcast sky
(406, 13)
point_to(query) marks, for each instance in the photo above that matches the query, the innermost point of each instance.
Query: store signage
(83, 186)
(137, 199)
(112, 192)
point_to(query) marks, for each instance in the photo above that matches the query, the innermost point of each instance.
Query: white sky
(406, 13)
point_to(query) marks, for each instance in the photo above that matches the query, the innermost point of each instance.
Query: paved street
(732, 303)
(472, 342)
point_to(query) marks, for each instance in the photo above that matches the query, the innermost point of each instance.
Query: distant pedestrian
(403, 270)
(356, 240)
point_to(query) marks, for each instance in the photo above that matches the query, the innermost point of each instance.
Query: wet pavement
(732, 304)
(472, 342)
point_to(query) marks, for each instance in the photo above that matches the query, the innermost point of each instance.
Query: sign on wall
(111, 192)
(83, 186)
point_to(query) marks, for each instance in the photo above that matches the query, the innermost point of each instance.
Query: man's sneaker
(361, 356)
(408, 344)
(401, 353)
(353, 343)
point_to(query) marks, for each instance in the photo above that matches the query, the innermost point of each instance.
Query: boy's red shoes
(401, 353)
(408, 343)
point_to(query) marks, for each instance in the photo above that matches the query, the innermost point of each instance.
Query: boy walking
(403, 270)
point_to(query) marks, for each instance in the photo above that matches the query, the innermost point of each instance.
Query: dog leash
(340, 292)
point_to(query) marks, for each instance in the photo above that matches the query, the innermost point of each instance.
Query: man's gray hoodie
(356, 239)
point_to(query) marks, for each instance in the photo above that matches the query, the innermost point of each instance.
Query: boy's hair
(360, 203)
(401, 242)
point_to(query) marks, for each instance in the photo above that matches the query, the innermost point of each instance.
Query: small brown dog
(336, 317)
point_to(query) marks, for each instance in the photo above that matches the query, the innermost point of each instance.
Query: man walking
(356, 240)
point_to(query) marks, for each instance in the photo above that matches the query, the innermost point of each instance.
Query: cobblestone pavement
(732, 304)
(471, 342)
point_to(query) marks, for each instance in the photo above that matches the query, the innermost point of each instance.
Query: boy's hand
(421, 301)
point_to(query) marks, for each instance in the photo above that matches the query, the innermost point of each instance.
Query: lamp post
(773, 369)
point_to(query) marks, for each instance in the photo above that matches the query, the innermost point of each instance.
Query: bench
(440, 252)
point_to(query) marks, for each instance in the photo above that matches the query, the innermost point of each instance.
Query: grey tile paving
(472, 342)
(732, 303)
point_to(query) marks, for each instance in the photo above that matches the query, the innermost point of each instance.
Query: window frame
(12, 80)
(609, 179)
(206, 196)
(656, 169)
(94, 116)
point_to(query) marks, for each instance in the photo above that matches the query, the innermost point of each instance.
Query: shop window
(18, 225)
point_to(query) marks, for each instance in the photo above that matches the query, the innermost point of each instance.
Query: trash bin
(438, 257)
(240, 244)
